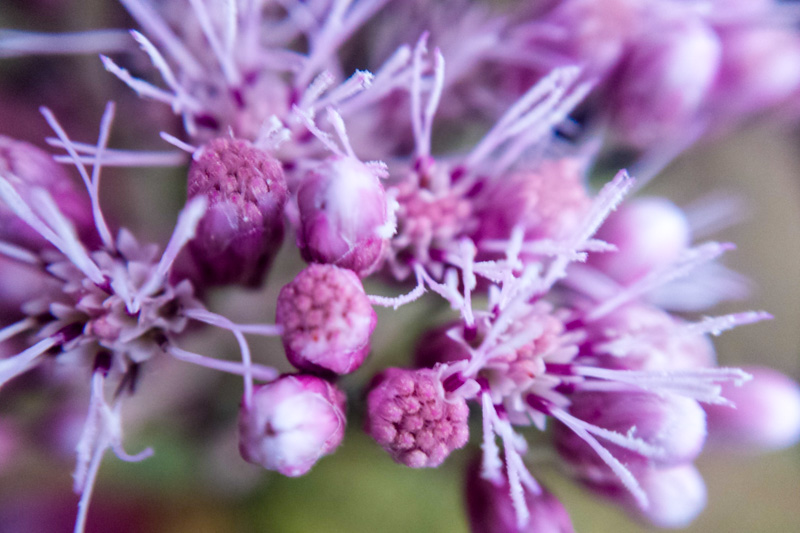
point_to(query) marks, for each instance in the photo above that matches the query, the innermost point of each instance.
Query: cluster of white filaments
(112, 309)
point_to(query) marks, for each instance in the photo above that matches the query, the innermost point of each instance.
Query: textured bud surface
(327, 320)
(291, 423)
(243, 226)
(410, 418)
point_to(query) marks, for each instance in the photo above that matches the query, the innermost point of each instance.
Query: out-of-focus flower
(764, 415)
(491, 509)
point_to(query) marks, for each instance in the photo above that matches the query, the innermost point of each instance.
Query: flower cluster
(573, 308)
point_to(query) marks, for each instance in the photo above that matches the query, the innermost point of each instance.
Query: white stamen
(15, 365)
(689, 260)
(177, 143)
(21, 43)
(147, 17)
(260, 372)
(618, 468)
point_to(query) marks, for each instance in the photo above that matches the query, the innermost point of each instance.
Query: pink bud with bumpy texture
(345, 217)
(243, 226)
(676, 496)
(673, 426)
(291, 423)
(766, 415)
(648, 232)
(327, 320)
(491, 509)
(409, 416)
(27, 167)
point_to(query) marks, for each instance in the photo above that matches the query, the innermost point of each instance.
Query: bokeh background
(196, 481)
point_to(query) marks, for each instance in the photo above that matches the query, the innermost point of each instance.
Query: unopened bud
(648, 232)
(345, 217)
(291, 423)
(327, 320)
(670, 428)
(491, 509)
(409, 416)
(766, 415)
(243, 226)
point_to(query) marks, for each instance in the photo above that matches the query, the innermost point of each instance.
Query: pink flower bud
(327, 320)
(243, 226)
(291, 423)
(766, 416)
(664, 79)
(345, 217)
(408, 415)
(758, 70)
(648, 232)
(28, 167)
(676, 496)
(672, 427)
(491, 509)
(547, 203)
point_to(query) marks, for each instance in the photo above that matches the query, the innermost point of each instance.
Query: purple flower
(764, 415)
(289, 424)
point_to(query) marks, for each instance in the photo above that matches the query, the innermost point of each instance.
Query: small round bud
(766, 415)
(327, 320)
(243, 226)
(344, 216)
(291, 423)
(648, 232)
(491, 509)
(674, 425)
(408, 415)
